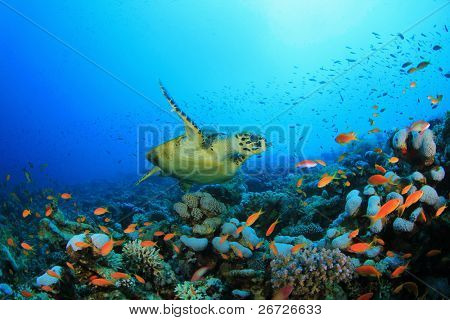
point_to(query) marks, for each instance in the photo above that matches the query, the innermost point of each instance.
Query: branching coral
(310, 271)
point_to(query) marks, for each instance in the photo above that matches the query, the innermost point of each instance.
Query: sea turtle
(200, 157)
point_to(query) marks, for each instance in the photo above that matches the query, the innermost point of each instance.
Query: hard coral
(310, 271)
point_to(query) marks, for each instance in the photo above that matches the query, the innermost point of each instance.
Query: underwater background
(81, 105)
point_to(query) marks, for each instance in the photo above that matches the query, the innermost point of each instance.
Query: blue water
(79, 78)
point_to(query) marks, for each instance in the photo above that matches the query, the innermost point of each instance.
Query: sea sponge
(99, 240)
(416, 176)
(76, 238)
(342, 242)
(369, 190)
(394, 195)
(428, 148)
(223, 247)
(196, 244)
(331, 233)
(249, 235)
(236, 246)
(415, 214)
(402, 225)
(399, 139)
(373, 205)
(392, 175)
(48, 280)
(352, 194)
(353, 204)
(430, 195)
(437, 173)
(283, 249)
(416, 140)
(310, 271)
(228, 228)
(374, 251)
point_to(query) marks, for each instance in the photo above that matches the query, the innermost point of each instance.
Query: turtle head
(249, 144)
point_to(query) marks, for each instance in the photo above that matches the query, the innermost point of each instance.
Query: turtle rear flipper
(192, 130)
(149, 174)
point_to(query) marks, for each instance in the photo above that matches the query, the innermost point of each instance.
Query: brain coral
(437, 174)
(198, 206)
(310, 271)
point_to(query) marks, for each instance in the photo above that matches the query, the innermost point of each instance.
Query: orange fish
(406, 189)
(131, 228)
(380, 168)
(259, 244)
(393, 160)
(295, 249)
(368, 271)
(399, 271)
(26, 294)
(148, 243)
(273, 248)
(378, 150)
(176, 249)
(50, 198)
(365, 296)
(119, 275)
(53, 274)
(253, 217)
(410, 286)
(412, 84)
(299, 183)
(345, 138)
(272, 228)
(100, 282)
(104, 229)
(48, 211)
(433, 253)
(26, 213)
(410, 200)
(379, 241)
(223, 238)
(239, 230)
(10, 242)
(82, 244)
(26, 246)
(306, 164)
(66, 196)
(378, 179)
(169, 236)
(283, 293)
(347, 183)
(390, 254)
(237, 251)
(440, 210)
(360, 247)
(158, 233)
(47, 289)
(107, 247)
(325, 180)
(321, 162)
(407, 256)
(374, 130)
(198, 275)
(385, 209)
(224, 256)
(100, 211)
(70, 266)
(139, 278)
(353, 234)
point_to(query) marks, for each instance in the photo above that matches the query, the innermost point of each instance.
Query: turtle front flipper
(192, 130)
